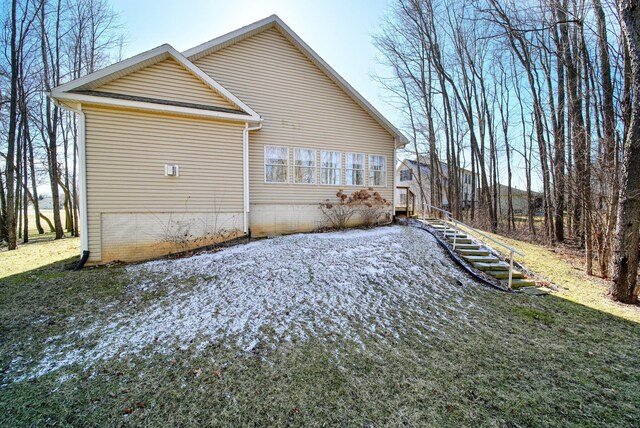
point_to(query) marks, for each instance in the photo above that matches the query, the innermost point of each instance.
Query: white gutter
(82, 175)
(148, 106)
(245, 172)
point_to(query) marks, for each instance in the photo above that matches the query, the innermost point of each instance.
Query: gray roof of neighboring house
(424, 166)
(503, 189)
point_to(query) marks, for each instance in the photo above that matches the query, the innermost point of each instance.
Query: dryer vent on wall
(171, 170)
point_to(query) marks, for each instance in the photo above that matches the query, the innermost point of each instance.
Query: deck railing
(450, 219)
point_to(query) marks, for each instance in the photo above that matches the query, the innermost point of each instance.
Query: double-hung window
(377, 170)
(276, 164)
(354, 173)
(405, 175)
(304, 166)
(330, 167)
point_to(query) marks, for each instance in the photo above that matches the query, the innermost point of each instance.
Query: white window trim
(369, 170)
(315, 166)
(286, 181)
(340, 169)
(364, 169)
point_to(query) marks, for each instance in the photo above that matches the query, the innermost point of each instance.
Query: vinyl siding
(167, 80)
(126, 154)
(301, 107)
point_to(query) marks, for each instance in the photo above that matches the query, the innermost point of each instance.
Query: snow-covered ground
(351, 285)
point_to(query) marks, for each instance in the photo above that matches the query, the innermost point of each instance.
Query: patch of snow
(353, 284)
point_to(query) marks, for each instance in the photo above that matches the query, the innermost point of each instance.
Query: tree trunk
(51, 73)
(627, 243)
(11, 139)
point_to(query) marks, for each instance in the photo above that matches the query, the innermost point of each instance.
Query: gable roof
(81, 89)
(274, 21)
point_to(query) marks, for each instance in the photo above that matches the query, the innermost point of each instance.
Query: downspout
(393, 199)
(82, 178)
(245, 173)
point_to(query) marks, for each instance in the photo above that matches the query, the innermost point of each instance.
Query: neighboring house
(45, 202)
(407, 178)
(246, 133)
(519, 200)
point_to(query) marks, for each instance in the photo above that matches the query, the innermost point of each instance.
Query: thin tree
(626, 255)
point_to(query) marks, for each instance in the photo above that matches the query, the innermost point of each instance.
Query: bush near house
(366, 204)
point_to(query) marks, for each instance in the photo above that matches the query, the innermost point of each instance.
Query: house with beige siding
(244, 134)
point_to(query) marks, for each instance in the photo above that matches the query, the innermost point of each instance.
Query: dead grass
(35, 255)
(520, 361)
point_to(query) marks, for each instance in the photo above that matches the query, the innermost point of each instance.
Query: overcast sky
(340, 31)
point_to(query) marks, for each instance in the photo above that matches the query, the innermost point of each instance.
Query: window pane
(305, 157)
(330, 176)
(330, 159)
(330, 163)
(276, 155)
(276, 160)
(355, 177)
(305, 175)
(377, 170)
(276, 173)
(305, 166)
(376, 163)
(377, 178)
(355, 161)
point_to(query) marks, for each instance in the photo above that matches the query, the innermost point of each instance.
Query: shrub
(368, 204)
(338, 213)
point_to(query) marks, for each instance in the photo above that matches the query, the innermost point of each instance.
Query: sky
(340, 31)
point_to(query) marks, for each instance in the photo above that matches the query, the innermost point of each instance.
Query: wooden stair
(480, 257)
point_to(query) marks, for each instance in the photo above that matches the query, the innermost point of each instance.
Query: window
(304, 162)
(355, 169)
(405, 175)
(330, 167)
(377, 170)
(403, 199)
(276, 164)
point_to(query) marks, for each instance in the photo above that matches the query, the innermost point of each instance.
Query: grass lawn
(566, 270)
(347, 339)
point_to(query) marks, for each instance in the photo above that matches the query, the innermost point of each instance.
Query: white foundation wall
(282, 219)
(146, 235)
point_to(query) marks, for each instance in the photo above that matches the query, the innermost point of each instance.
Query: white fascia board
(162, 108)
(160, 53)
(112, 69)
(202, 49)
(273, 20)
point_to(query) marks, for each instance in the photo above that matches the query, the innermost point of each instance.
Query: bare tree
(627, 243)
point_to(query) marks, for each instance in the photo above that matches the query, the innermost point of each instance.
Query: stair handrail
(453, 220)
(450, 218)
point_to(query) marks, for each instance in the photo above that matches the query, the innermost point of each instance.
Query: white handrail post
(510, 268)
(455, 234)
